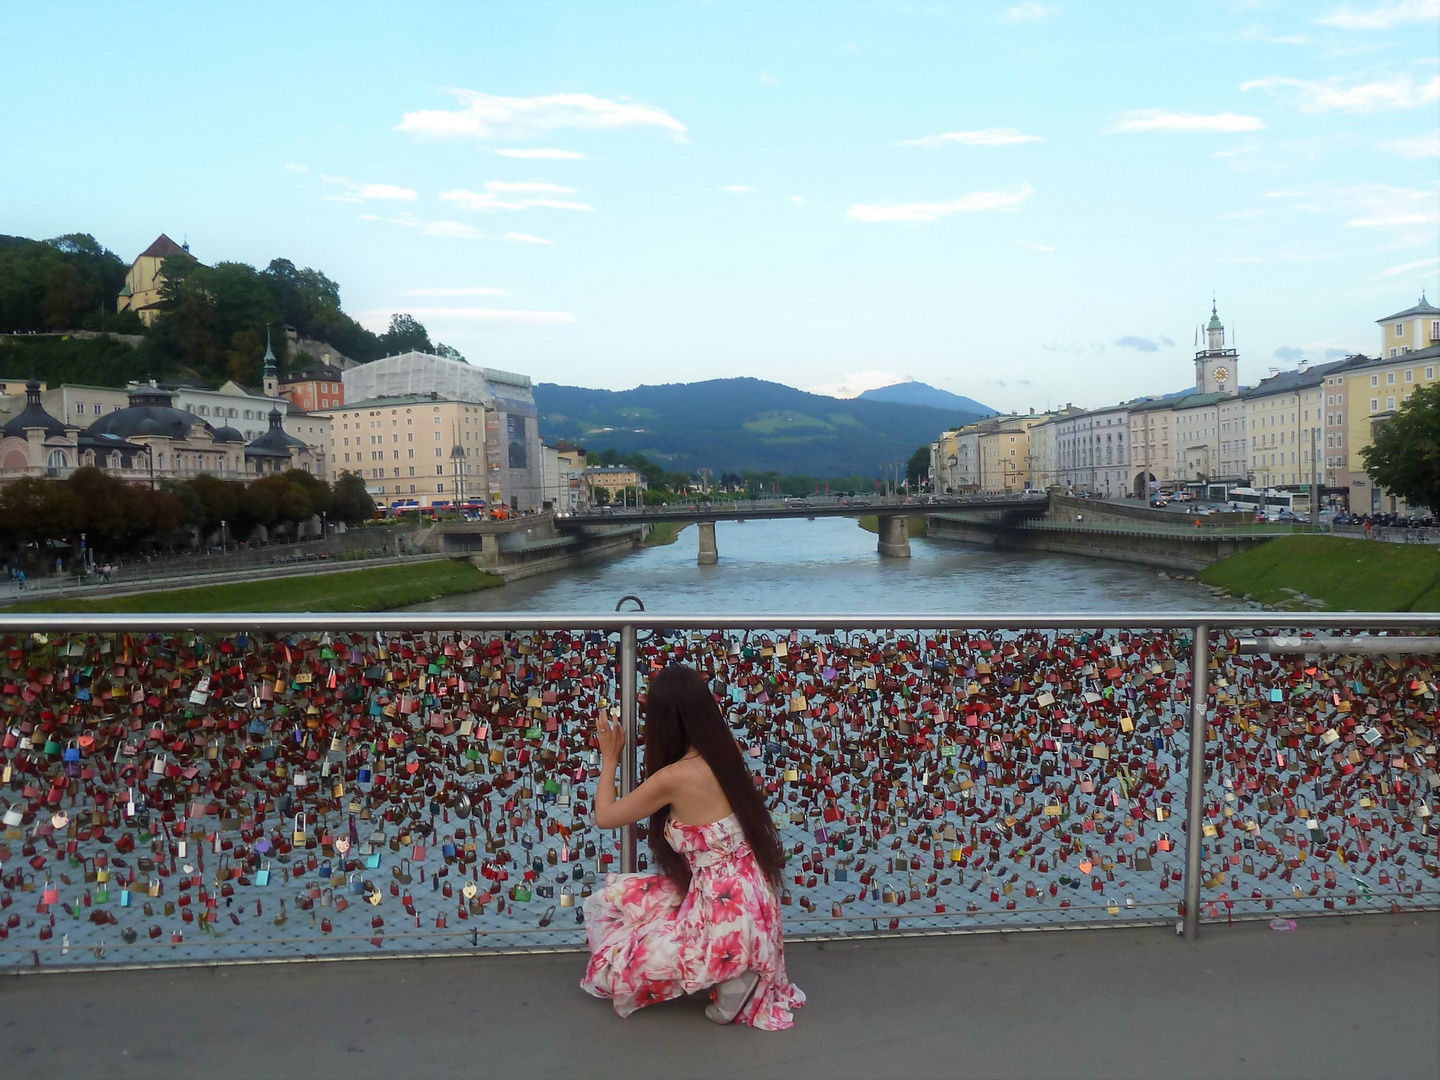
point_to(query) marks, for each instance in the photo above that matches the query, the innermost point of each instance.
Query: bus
(1270, 500)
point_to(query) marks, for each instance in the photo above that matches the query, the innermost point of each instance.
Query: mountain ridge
(919, 393)
(743, 424)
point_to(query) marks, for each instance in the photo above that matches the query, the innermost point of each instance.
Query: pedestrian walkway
(1334, 997)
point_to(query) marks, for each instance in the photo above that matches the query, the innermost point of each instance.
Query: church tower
(271, 377)
(1217, 369)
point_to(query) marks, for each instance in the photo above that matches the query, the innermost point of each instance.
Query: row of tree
(215, 317)
(118, 517)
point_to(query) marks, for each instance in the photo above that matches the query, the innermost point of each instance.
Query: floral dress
(649, 944)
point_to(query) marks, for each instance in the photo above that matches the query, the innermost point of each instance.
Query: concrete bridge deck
(818, 506)
(1336, 997)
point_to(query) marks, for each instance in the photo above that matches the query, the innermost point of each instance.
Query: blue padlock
(72, 751)
(357, 883)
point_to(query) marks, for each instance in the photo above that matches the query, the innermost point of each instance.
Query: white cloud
(1367, 206)
(933, 211)
(798, 200)
(290, 167)
(456, 229)
(857, 382)
(1405, 269)
(1028, 10)
(1415, 147)
(542, 154)
(358, 192)
(738, 189)
(770, 80)
(526, 238)
(984, 137)
(442, 315)
(1329, 95)
(462, 290)
(1383, 17)
(491, 116)
(1160, 120)
(507, 195)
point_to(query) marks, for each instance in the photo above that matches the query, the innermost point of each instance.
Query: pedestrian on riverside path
(711, 917)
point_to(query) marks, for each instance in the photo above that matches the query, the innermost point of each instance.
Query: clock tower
(1217, 369)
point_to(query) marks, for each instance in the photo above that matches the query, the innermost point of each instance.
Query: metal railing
(231, 788)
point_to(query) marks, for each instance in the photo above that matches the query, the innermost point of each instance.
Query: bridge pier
(894, 536)
(709, 554)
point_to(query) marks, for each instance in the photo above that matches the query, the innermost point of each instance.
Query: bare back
(699, 799)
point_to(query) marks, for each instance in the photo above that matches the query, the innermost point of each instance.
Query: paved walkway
(1337, 997)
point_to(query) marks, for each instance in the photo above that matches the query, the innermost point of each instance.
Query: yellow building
(418, 449)
(1285, 419)
(1005, 463)
(614, 479)
(1410, 330)
(1369, 397)
(143, 282)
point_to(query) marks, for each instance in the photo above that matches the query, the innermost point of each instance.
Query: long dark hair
(680, 713)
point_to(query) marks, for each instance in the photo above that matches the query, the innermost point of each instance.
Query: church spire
(271, 376)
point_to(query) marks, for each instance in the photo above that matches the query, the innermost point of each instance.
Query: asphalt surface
(1335, 997)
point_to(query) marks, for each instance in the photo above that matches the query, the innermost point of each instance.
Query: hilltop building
(145, 279)
(1410, 330)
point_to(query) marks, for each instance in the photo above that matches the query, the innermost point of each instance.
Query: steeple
(271, 375)
(1215, 330)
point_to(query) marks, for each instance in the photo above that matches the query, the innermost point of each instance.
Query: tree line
(214, 318)
(118, 517)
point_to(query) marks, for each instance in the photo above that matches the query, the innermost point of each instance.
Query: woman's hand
(610, 733)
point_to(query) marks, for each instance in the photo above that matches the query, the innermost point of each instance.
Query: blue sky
(1029, 203)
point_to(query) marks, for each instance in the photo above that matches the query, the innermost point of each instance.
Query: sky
(1030, 203)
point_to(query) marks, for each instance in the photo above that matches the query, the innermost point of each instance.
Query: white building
(512, 431)
(1093, 451)
(1197, 440)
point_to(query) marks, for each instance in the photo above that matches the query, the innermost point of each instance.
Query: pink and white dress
(650, 944)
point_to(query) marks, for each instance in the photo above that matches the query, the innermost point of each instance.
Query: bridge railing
(230, 788)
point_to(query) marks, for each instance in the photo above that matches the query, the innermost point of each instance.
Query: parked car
(1159, 501)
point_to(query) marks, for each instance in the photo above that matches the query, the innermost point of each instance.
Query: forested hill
(735, 425)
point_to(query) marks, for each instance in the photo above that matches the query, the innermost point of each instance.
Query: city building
(1410, 330)
(1093, 453)
(619, 482)
(412, 449)
(511, 436)
(1151, 455)
(1285, 420)
(145, 279)
(1004, 450)
(16, 388)
(572, 470)
(1370, 394)
(316, 386)
(942, 462)
(1234, 444)
(1197, 443)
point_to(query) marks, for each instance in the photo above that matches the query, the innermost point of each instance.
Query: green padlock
(521, 894)
(102, 892)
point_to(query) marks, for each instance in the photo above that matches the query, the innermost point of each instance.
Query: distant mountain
(919, 393)
(744, 424)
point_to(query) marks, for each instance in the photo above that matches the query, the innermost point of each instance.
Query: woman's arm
(611, 813)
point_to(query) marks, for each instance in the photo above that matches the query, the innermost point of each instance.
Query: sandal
(732, 996)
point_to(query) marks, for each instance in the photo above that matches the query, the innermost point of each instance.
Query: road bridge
(892, 514)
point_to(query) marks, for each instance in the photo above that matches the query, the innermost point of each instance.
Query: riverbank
(871, 524)
(665, 532)
(1337, 574)
(374, 589)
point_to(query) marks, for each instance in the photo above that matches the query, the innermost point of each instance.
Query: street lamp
(222, 536)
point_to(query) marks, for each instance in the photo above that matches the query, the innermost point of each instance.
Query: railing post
(1195, 797)
(629, 654)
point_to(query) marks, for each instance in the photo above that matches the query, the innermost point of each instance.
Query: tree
(350, 501)
(406, 334)
(1404, 457)
(918, 467)
(448, 351)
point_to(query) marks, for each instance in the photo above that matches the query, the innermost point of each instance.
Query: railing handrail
(653, 620)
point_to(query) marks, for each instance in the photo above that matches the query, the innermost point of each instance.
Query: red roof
(162, 247)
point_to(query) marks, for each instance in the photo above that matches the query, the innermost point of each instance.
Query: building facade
(1410, 330)
(1368, 397)
(1093, 451)
(1151, 454)
(413, 449)
(1197, 441)
(145, 279)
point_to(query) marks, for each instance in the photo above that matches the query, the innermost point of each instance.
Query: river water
(831, 565)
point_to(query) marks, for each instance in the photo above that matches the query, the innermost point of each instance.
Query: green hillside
(1347, 575)
(743, 425)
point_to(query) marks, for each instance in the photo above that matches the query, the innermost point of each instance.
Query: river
(831, 565)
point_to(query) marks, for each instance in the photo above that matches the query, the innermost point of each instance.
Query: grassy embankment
(665, 532)
(375, 589)
(1347, 575)
(871, 523)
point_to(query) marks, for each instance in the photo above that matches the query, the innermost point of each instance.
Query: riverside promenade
(1337, 997)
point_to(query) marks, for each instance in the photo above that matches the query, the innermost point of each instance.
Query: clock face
(1222, 374)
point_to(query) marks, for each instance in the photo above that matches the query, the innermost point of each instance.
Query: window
(1375, 379)
(440, 489)
(1410, 375)
(80, 407)
(1390, 404)
(1399, 329)
(1429, 373)
(439, 470)
(1392, 353)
